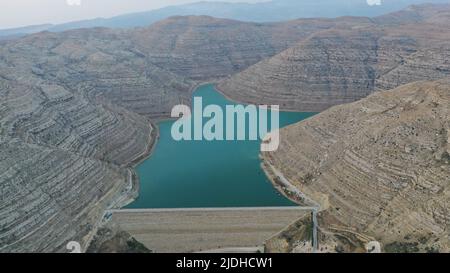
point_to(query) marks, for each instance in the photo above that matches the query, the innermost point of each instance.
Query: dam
(206, 229)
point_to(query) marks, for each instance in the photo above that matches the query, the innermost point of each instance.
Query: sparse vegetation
(402, 247)
(307, 178)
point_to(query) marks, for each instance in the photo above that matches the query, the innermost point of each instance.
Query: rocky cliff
(60, 164)
(74, 113)
(380, 167)
(100, 64)
(51, 197)
(75, 106)
(347, 63)
(202, 47)
(148, 70)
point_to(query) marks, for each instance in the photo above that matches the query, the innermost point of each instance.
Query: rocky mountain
(75, 109)
(265, 11)
(202, 47)
(347, 63)
(50, 196)
(379, 167)
(424, 13)
(148, 70)
(60, 164)
(100, 63)
(76, 106)
(8, 34)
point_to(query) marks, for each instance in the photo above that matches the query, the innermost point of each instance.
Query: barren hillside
(202, 47)
(75, 106)
(379, 167)
(344, 64)
(74, 113)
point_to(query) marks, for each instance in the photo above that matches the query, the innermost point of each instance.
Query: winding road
(314, 208)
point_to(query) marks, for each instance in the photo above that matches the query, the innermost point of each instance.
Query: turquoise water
(189, 174)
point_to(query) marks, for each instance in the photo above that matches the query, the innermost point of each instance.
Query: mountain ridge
(272, 11)
(81, 103)
(379, 167)
(344, 64)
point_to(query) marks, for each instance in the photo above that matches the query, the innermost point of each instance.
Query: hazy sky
(15, 13)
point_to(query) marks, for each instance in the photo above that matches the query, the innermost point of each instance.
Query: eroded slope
(344, 64)
(203, 48)
(74, 113)
(379, 167)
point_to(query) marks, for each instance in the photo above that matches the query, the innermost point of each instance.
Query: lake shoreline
(154, 136)
(270, 176)
(163, 175)
(133, 189)
(216, 86)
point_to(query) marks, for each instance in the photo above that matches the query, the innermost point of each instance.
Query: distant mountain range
(350, 61)
(276, 10)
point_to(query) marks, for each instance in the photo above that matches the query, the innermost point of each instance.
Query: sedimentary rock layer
(148, 70)
(51, 197)
(379, 167)
(75, 105)
(74, 113)
(60, 158)
(202, 47)
(344, 64)
(101, 64)
(51, 116)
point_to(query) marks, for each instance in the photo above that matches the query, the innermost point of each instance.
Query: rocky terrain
(60, 158)
(265, 11)
(349, 62)
(203, 48)
(380, 167)
(99, 64)
(51, 197)
(148, 70)
(75, 109)
(111, 239)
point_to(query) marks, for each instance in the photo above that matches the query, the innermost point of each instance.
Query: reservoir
(195, 174)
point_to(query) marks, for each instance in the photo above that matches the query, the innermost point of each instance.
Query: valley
(349, 62)
(78, 111)
(206, 174)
